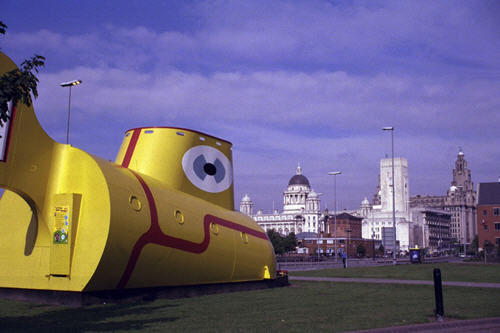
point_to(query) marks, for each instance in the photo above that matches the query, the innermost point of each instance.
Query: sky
(287, 82)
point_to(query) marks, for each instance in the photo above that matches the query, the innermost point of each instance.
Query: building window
(485, 212)
(496, 211)
(497, 226)
(486, 227)
(497, 241)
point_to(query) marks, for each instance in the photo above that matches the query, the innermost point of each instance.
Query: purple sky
(287, 82)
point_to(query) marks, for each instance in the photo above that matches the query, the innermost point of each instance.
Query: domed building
(301, 208)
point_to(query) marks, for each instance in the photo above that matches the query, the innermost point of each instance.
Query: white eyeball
(208, 169)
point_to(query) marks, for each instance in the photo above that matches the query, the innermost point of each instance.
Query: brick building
(488, 213)
(349, 237)
(347, 225)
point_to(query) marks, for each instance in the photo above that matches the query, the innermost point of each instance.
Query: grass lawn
(449, 272)
(305, 306)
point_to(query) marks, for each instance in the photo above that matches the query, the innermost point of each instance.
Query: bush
(361, 251)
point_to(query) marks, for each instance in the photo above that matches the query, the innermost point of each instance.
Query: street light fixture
(335, 173)
(390, 128)
(69, 84)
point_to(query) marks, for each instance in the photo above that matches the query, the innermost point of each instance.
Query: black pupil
(210, 169)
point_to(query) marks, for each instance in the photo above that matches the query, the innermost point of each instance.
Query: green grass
(303, 307)
(449, 272)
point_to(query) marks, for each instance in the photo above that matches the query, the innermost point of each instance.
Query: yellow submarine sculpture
(161, 215)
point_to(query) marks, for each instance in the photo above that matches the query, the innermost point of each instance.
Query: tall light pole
(334, 174)
(69, 84)
(373, 243)
(393, 195)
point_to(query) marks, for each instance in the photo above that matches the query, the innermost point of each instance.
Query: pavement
(390, 281)
(487, 325)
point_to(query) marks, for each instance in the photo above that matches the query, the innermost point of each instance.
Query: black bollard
(438, 294)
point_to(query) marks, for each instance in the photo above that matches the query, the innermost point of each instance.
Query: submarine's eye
(208, 169)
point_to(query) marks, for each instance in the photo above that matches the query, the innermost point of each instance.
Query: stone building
(459, 201)
(430, 228)
(378, 217)
(301, 209)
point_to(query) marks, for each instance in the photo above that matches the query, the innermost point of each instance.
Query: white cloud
(289, 82)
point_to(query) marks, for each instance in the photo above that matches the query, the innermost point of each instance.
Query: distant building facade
(301, 209)
(349, 237)
(459, 201)
(378, 217)
(488, 213)
(348, 225)
(430, 228)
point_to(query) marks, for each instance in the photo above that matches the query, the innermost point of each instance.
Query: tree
(290, 242)
(3, 28)
(381, 249)
(475, 245)
(282, 244)
(18, 84)
(488, 248)
(276, 240)
(361, 251)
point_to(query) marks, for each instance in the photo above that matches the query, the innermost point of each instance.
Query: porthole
(135, 203)
(179, 217)
(244, 237)
(215, 228)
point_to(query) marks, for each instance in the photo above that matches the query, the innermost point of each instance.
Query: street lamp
(348, 242)
(373, 243)
(393, 194)
(69, 84)
(335, 173)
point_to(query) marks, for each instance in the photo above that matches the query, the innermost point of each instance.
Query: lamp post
(348, 243)
(393, 195)
(317, 239)
(373, 243)
(334, 174)
(69, 84)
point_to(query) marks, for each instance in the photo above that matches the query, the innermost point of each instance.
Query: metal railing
(354, 262)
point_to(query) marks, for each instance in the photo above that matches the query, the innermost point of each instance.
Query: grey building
(431, 228)
(459, 201)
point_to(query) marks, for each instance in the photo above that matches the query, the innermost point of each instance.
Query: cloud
(420, 37)
(331, 100)
(287, 82)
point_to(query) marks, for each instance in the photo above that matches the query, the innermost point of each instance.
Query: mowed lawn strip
(303, 307)
(449, 272)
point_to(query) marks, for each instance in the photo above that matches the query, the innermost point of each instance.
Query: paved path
(486, 325)
(390, 281)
